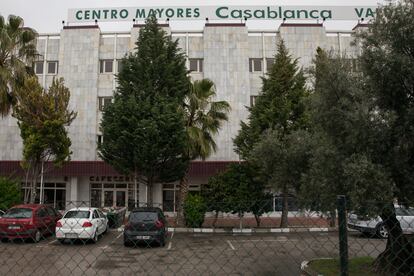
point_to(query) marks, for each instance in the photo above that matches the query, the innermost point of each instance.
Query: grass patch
(359, 266)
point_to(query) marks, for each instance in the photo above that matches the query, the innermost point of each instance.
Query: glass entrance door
(109, 198)
(120, 200)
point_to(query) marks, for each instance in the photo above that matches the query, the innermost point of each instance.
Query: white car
(375, 226)
(81, 223)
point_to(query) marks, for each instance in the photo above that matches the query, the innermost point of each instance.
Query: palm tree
(204, 118)
(17, 51)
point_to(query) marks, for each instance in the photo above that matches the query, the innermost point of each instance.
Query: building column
(73, 186)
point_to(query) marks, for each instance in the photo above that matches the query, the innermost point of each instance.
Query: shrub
(10, 193)
(194, 210)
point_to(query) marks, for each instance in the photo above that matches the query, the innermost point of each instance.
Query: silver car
(376, 227)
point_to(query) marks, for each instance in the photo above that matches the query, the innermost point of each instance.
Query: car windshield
(18, 213)
(77, 214)
(143, 216)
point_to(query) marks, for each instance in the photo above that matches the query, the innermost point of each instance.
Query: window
(120, 65)
(38, 67)
(106, 66)
(255, 64)
(269, 63)
(103, 101)
(52, 67)
(196, 65)
(253, 100)
(100, 139)
(42, 213)
(95, 214)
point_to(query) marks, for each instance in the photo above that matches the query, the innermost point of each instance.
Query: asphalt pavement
(183, 254)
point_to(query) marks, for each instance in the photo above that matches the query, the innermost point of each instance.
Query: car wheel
(382, 231)
(37, 236)
(95, 237)
(127, 243)
(162, 241)
(62, 241)
(4, 240)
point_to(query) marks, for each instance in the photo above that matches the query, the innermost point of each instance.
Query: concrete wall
(225, 51)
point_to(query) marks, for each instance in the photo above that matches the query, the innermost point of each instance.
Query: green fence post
(343, 234)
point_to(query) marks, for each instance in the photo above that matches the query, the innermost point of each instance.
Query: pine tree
(144, 129)
(280, 107)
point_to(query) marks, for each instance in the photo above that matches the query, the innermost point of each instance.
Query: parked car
(28, 221)
(82, 223)
(1, 213)
(375, 225)
(145, 224)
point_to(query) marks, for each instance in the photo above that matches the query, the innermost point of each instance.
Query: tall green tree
(237, 190)
(281, 162)
(42, 117)
(387, 61)
(17, 53)
(144, 129)
(203, 119)
(279, 107)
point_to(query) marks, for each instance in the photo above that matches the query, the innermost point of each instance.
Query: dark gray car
(145, 224)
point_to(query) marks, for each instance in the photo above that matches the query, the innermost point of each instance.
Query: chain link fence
(38, 240)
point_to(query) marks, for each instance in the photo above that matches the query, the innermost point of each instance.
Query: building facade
(232, 56)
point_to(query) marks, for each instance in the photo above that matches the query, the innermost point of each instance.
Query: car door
(402, 217)
(43, 220)
(51, 220)
(103, 219)
(96, 220)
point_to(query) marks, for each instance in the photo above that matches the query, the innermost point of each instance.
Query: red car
(28, 221)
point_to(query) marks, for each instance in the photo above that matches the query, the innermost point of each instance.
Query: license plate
(143, 237)
(71, 236)
(13, 227)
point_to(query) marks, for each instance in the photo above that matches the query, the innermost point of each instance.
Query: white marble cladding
(79, 65)
(226, 55)
(224, 49)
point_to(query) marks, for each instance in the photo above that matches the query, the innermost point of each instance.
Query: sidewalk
(265, 222)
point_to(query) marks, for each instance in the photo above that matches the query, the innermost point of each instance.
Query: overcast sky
(46, 16)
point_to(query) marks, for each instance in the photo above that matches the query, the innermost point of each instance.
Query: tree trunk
(149, 191)
(257, 220)
(240, 221)
(285, 210)
(215, 219)
(398, 256)
(180, 220)
(332, 218)
(33, 190)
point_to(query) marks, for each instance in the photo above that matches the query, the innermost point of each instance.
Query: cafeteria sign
(223, 12)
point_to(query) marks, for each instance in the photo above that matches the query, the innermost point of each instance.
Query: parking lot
(183, 254)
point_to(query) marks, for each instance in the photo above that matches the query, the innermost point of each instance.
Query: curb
(250, 230)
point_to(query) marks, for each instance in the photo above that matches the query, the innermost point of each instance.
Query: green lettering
(326, 14)
(196, 12)
(248, 13)
(313, 12)
(105, 12)
(78, 13)
(123, 13)
(96, 14)
(87, 14)
(160, 12)
(169, 13)
(236, 14)
(113, 14)
(289, 14)
(305, 13)
(180, 13)
(152, 13)
(359, 12)
(188, 12)
(369, 13)
(140, 13)
(271, 13)
(259, 14)
(219, 14)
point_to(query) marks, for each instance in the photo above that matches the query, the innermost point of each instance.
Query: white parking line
(231, 246)
(104, 247)
(169, 245)
(52, 242)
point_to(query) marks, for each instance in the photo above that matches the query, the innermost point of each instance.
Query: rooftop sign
(223, 12)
